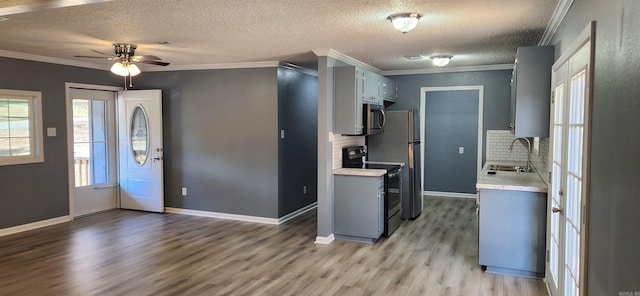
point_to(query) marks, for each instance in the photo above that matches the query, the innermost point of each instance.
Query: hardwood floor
(136, 253)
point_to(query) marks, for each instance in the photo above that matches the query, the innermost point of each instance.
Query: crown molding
(59, 61)
(328, 52)
(268, 64)
(448, 70)
(556, 19)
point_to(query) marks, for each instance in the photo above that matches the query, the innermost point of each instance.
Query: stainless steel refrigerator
(400, 142)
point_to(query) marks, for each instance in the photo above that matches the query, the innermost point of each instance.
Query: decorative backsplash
(498, 141)
(340, 141)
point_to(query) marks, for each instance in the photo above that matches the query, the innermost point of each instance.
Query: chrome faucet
(528, 151)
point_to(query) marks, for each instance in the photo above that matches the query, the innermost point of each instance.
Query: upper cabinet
(531, 91)
(372, 82)
(389, 89)
(348, 88)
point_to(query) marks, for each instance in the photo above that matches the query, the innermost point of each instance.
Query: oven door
(394, 194)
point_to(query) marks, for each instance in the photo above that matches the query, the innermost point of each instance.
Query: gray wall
(34, 192)
(497, 93)
(451, 121)
(614, 213)
(298, 151)
(221, 139)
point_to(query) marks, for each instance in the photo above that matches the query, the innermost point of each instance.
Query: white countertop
(385, 162)
(359, 172)
(510, 180)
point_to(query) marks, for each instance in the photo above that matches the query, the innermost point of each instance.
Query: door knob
(556, 210)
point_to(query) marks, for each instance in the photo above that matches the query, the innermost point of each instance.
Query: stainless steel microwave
(373, 117)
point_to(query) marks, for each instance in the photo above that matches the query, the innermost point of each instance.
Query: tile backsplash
(497, 142)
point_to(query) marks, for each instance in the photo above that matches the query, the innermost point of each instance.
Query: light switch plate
(51, 132)
(461, 150)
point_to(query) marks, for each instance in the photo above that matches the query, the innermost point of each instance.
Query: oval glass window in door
(139, 136)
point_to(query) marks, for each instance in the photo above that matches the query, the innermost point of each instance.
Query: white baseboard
(297, 213)
(34, 225)
(325, 240)
(450, 194)
(218, 215)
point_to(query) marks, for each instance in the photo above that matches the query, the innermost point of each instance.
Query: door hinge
(550, 178)
(553, 97)
(548, 255)
(584, 214)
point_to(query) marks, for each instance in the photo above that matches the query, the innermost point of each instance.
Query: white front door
(140, 142)
(568, 193)
(93, 172)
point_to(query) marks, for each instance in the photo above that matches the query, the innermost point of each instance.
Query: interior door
(568, 191)
(93, 164)
(140, 150)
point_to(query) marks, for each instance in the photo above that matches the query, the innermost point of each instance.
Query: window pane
(19, 127)
(99, 163)
(81, 121)
(98, 109)
(4, 147)
(20, 146)
(18, 108)
(139, 140)
(4, 127)
(4, 108)
(82, 167)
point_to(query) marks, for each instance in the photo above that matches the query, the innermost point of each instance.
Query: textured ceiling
(475, 32)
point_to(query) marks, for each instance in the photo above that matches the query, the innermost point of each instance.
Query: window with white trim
(20, 127)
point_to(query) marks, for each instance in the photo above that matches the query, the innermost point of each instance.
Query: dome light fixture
(404, 22)
(441, 60)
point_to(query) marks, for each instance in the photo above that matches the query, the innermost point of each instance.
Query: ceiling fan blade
(146, 58)
(102, 53)
(90, 57)
(157, 63)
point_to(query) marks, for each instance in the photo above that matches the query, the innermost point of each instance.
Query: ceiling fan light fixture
(119, 69)
(441, 60)
(125, 69)
(405, 22)
(133, 70)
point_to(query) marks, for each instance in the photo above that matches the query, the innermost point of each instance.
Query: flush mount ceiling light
(405, 22)
(441, 60)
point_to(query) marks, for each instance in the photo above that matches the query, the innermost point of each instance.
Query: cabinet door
(389, 90)
(372, 88)
(348, 92)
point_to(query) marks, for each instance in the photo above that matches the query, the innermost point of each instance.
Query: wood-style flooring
(136, 253)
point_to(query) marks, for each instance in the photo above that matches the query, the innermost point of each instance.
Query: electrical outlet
(281, 134)
(461, 150)
(184, 191)
(304, 189)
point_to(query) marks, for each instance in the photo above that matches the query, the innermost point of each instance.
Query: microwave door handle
(383, 119)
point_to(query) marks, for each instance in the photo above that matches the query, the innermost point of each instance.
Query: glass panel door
(556, 173)
(90, 142)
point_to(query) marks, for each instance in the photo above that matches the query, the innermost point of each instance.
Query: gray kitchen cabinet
(358, 207)
(372, 88)
(531, 91)
(512, 232)
(347, 107)
(389, 89)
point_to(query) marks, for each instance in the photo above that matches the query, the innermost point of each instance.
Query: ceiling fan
(125, 60)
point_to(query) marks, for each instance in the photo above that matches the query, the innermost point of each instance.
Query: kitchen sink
(510, 168)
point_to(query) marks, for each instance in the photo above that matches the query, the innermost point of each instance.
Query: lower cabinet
(512, 232)
(358, 207)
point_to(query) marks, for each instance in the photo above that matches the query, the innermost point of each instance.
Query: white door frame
(585, 37)
(69, 109)
(423, 97)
